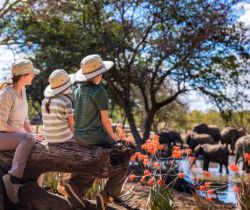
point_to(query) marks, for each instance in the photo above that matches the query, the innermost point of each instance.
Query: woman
(15, 130)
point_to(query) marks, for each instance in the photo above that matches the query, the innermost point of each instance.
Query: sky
(195, 101)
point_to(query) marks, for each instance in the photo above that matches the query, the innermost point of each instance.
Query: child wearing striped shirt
(58, 118)
(57, 110)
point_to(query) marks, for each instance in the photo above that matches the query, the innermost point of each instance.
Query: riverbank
(137, 199)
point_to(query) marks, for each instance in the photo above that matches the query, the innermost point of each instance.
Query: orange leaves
(176, 148)
(132, 177)
(141, 157)
(160, 147)
(234, 167)
(236, 189)
(209, 199)
(151, 182)
(143, 179)
(146, 161)
(181, 175)
(202, 188)
(156, 138)
(208, 184)
(191, 158)
(160, 182)
(207, 173)
(152, 146)
(247, 156)
(211, 192)
(177, 154)
(188, 151)
(156, 165)
(146, 173)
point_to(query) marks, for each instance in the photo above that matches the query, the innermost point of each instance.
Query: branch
(170, 99)
(65, 157)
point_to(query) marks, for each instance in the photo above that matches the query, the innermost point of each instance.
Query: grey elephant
(212, 130)
(242, 146)
(170, 137)
(217, 153)
(195, 139)
(230, 135)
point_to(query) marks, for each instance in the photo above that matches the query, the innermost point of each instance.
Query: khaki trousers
(22, 143)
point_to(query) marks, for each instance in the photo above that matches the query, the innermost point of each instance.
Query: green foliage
(178, 46)
(211, 117)
(201, 203)
(160, 198)
(98, 186)
(50, 181)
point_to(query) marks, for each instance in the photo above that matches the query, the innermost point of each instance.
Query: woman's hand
(39, 137)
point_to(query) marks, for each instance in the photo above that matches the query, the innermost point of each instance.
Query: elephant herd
(212, 144)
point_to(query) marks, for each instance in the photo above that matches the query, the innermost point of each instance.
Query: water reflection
(223, 181)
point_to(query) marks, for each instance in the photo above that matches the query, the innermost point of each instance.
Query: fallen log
(65, 157)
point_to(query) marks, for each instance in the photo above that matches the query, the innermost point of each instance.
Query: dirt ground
(137, 199)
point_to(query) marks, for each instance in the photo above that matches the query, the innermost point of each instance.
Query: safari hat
(23, 66)
(92, 66)
(59, 81)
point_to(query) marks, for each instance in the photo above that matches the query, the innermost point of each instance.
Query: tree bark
(65, 157)
(148, 124)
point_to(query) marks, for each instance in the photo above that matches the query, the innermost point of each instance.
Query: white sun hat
(59, 81)
(92, 66)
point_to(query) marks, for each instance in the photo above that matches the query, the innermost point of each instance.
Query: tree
(183, 45)
(7, 11)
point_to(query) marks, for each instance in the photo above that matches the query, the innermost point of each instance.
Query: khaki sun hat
(91, 66)
(59, 81)
(23, 66)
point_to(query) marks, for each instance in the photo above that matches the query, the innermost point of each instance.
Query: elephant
(195, 139)
(217, 153)
(230, 135)
(170, 137)
(242, 146)
(212, 130)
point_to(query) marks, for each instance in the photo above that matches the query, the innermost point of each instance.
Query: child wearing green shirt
(92, 123)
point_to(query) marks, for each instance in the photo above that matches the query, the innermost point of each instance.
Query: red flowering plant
(242, 189)
(155, 175)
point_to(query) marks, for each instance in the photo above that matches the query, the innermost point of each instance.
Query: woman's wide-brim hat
(91, 66)
(59, 81)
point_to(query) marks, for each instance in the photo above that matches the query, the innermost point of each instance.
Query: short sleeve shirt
(55, 124)
(13, 108)
(89, 100)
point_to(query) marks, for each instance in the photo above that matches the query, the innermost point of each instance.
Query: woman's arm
(71, 122)
(27, 127)
(107, 124)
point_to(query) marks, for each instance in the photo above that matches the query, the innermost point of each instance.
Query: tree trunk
(133, 128)
(65, 157)
(148, 125)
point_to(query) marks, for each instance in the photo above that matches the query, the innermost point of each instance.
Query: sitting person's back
(90, 99)
(55, 113)
(58, 123)
(92, 124)
(91, 103)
